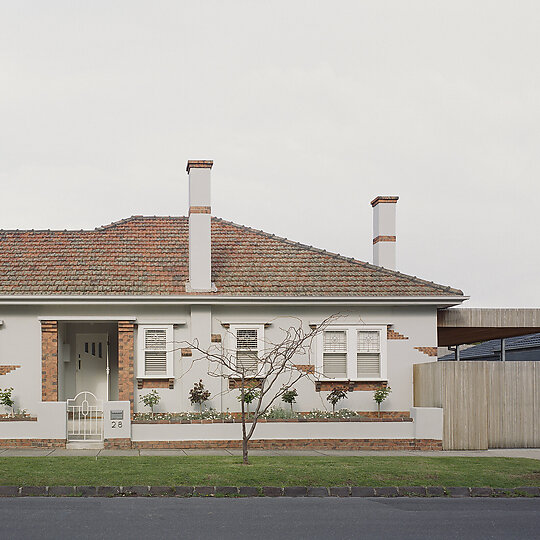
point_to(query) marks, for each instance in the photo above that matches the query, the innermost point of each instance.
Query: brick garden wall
(300, 444)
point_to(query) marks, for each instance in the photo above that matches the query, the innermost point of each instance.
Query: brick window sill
(155, 382)
(18, 419)
(350, 386)
(277, 420)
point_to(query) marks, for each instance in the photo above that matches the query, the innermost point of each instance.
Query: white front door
(91, 365)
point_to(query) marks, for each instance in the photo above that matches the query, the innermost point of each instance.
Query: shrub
(289, 396)
(151, 400)
(336, 395)
(380, 395)
(199, 394)
(249, 395)
(6, 400)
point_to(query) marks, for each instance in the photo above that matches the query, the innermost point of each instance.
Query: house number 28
(116, 424)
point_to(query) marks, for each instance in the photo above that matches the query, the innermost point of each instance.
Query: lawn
(270, 471)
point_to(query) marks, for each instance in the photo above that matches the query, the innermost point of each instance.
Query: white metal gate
(85, 418)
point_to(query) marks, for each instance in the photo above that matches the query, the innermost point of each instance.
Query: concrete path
(533, 453)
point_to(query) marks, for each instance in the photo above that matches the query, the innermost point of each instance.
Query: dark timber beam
(457, 326)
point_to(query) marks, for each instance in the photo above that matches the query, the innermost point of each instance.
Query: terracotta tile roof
(149, 256)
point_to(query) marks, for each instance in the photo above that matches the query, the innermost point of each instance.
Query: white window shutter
(155, 338)
(155, 351)
(247, 361)
(368, 358)
(335, 353)
(246, 339)
(247, 350)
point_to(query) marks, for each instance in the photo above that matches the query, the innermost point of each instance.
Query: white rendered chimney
(384, 231)
(200, 241)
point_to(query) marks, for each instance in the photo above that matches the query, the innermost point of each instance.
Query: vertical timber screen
(486, 404)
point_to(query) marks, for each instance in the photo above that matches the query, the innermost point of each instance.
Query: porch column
(49, 360)
(125, 361)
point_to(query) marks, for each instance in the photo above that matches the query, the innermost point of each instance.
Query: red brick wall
(305, 444)
(49, 360)
(352, 386)
(430, 351)
(4, 370)
(155, 383)
(33, 443)
(126, 379)
(265, 444)
(117, 443)
(392, 334)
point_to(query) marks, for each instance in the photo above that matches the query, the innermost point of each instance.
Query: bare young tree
(262, 378)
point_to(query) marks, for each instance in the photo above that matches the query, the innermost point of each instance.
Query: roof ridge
(111, 225)
(134, 218)
(331, 254)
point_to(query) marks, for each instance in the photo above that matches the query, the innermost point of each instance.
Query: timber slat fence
(486, 404)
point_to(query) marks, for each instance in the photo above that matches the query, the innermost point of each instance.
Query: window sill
(250, 382)
(155, 382)
(350, 385)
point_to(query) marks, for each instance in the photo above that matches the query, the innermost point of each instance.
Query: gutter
(439, 301)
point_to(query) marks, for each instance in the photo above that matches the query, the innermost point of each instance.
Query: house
(94, 319)
(519, 348)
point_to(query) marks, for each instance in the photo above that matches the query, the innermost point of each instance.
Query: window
(247, 346)
(155, 351)
(353, 353)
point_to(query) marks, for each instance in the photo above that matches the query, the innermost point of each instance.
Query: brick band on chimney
(199, 164)
(384, 199)
(200, 210)
(384, 239)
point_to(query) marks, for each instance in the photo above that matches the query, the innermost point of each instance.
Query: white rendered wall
(278, 430)
(200, 252)
(114, 428)
(20, 344)
(428, 422)
(384, 219)
(51, 423)
(200, 230)
(384, 224)
(417, 323)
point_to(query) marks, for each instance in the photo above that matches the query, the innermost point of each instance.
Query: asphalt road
(261, 518)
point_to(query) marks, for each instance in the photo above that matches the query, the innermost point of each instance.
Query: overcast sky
(308, 109)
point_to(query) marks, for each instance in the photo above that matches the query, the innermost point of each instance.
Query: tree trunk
(245, 460)
(378, 409)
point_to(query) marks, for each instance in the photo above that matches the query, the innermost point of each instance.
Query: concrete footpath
(532, 453)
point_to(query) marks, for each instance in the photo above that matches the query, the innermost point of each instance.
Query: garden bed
(17, 418)
(137, 420)
(215, 417)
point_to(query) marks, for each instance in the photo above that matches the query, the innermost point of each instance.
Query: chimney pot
(199, 164)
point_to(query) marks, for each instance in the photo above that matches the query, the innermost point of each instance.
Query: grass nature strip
(270, 471)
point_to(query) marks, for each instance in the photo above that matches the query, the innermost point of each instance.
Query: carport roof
(457, 326)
